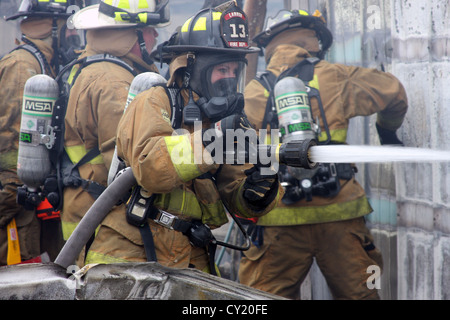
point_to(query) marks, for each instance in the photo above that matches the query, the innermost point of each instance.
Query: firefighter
(207, 65)
(124, 32)
(40, 51)
(330, 227)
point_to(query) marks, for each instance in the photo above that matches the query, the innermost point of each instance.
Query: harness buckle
(165, 219)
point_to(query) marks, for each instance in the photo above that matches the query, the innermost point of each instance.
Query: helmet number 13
(239, 28)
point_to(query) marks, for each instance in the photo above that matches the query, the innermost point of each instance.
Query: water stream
(373, 154)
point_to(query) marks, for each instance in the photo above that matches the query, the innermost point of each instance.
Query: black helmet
(215, 42)
(289, 19)
(222, 29)
(46, 8)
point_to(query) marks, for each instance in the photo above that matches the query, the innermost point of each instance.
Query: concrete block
(415, 264)
(386, 241)
(414, 181)
(442, 270)
(423, 272)
(440, 11)
(416, 215)
(412, 18)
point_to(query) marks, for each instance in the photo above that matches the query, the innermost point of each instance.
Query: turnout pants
(28, 226)
(343, 250)
(118, 241)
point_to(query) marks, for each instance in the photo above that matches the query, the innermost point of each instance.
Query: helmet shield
(69, 42)
(44, 8)
(218, 75)
(225, 78)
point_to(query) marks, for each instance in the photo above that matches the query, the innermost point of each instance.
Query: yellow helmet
(123, 14)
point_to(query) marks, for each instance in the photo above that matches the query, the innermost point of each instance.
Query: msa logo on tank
(39, 98)
(36, 116)
(234, 28)
(293, 112)
(38, 106)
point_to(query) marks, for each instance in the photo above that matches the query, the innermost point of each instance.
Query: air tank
(36, 134)
(140, 83)
(293, 110)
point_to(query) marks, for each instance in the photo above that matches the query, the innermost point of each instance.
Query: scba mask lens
(224, 87)
(224, 90)
(225, 78)
(70, 42)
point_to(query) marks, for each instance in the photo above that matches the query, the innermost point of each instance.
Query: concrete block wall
(411, 218)
(421, 36)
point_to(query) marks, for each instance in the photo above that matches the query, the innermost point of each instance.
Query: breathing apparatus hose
(94, 216)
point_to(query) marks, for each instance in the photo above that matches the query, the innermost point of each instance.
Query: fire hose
(94, 216)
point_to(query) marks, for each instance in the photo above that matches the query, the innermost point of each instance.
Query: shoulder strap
(101, 58)
(109, 58)
(304, 70)
(176, 105)
(37, 54)
(267, 80)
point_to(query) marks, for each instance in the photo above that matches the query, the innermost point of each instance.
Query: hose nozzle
(297, 153)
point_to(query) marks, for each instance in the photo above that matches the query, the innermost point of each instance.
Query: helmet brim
(167, 53)
(90, 18)
(38, 14)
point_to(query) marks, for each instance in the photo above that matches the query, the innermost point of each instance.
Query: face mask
(224, 87)
(220, 107)
(68, 45)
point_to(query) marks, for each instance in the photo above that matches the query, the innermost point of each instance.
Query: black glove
(260, 190)
(241, 146)
(388, 136)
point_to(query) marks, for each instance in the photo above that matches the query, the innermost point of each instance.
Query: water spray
(375, 154)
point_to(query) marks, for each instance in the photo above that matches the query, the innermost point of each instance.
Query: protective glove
(388, 137)
(239, 149)
(260, 190)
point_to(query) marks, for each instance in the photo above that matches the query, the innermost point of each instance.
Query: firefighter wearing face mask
(207, 66)
(329, 226)
(125, 32)
(43, 48)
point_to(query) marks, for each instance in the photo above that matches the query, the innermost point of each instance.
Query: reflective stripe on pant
(343, 251)
(27, 225)
(172, 249)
